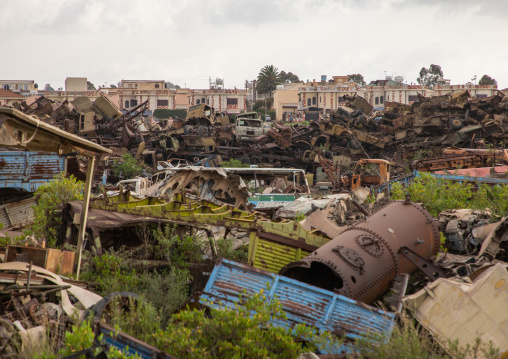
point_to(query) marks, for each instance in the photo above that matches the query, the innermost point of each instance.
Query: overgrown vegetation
(126, 168)
(234, 163)
(244, 331)
(167, 287)
(438, 195)
(411, 341)
(48, 213)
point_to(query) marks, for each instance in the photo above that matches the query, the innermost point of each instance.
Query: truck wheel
(245, 160)
(186, 129)
(455, 124)
(203, 131)
(353, 144)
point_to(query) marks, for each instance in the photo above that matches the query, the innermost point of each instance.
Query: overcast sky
(188, 41)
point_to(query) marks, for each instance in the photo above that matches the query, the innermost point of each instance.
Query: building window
(136, 86)
(134, 103)
(162, 102)
(232, 101)
(377, 100)
(381, 99)
(313, 100)
(129, 85)
(203, 100)
(388, 98)
(320, 99)
(126, 103)
(308, 102)
(413, 98)
(198, 101)
(156, 86)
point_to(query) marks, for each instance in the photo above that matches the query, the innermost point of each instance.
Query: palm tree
(268, 79)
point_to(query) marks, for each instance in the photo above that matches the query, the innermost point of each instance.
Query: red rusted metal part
(477, 172)
(361, 262)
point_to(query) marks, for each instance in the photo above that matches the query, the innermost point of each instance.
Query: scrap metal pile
(353, 131)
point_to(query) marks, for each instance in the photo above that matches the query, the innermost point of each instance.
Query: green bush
(166, 290)
(410, 341)
(48, 213)
(178, 250)
(127, 167)
(234, 163)
(225, 250)
(245, 331)
(439, 194)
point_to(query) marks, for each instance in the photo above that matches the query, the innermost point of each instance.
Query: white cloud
(186, 41)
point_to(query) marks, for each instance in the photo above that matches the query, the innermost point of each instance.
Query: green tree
(289, 77)
(127, 167)
(245, 331)
(52, 198)
(268, 79)
(234, 163)
(430, 76)
(90, 86)
(487, 80)
(357, 78)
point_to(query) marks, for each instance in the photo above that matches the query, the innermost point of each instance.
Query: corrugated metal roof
(301, 302)
(17, 214)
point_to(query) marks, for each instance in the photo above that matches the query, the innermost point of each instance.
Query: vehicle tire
(203, 131)
(186, 129)
(353, 144)
(96, 311)
(245, 160)
(455, 124)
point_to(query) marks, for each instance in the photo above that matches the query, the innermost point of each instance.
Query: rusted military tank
(361, 261)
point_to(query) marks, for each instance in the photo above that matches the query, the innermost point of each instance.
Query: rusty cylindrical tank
(362, 260)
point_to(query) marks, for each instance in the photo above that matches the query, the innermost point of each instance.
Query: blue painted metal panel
(130, 345)
(303, 303)
(27, 171)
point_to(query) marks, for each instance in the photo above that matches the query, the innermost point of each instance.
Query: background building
(7, 97)
(22, 87)
(76, 84)
(285, 99)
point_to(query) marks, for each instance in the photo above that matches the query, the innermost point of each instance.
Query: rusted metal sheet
(289, 237)
(302, 303)
(54, 260)
(454, 309)
(361, 262)
(17, 214)
(27, 171)
(482, 172)
(272, 256)
(318, 221)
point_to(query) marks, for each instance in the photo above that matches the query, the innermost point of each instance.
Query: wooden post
(84, 210)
